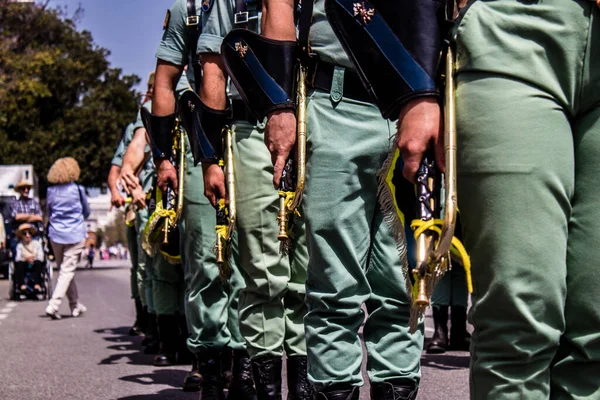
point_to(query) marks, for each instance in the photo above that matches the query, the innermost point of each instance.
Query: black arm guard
(395, 46)
(160, 131)
(262, 70)
(203, 126)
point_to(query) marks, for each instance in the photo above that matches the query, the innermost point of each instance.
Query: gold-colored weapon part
(226, 214)
(179, 155)
(435, 245)
(290, 201)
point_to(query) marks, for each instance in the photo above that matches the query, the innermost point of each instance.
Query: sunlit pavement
(92, 357)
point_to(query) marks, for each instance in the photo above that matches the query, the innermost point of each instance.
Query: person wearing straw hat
(24, 210)
(29, 253)
(67, 209)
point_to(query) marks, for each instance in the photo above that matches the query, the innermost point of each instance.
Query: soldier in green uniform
(117, 200)
(528, 123)
(163, 281)
(450, 293)
(353, 258)
(272, 305)
(211, 305)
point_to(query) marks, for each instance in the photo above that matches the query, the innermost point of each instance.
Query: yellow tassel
(419, 227)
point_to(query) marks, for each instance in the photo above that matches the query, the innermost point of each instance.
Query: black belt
(241, 113)
(320, 76)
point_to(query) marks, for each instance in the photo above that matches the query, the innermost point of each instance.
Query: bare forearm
(214, 82)
(278, 19)
(134, 156)
(113, 175)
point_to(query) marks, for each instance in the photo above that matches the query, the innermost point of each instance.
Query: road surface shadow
(169, 394)
(447, 361)
(122, 342)
(166, 377)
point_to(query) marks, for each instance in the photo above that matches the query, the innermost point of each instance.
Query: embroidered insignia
(364, 12)
(241, 49)
(206, 5)
(167, 19)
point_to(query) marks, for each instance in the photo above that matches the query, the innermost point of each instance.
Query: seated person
(29, 254)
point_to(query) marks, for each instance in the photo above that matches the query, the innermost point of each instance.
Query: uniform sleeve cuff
(209, 44)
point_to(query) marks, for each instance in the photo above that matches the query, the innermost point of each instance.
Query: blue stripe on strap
(271, 89)
(389, 44)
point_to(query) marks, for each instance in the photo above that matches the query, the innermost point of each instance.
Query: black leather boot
(168, 328)
(193, 379)
(299, 388)
(139, 326)
(338, 392)
(227, 366)
(209, 366)
(151, 339)
(267, 377)
(397, 389)
(439, 342)
(460, 340)
(184, 355)
(242, 384)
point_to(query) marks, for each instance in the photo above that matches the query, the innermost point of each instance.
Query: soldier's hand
(280, 138)
(214, 183)
(116, 200)
(419, 128)
(138, 198)
(166, 174)
(129, 181)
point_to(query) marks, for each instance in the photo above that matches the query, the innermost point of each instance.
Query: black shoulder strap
(194, 28)
(243, 9)
(304, 23)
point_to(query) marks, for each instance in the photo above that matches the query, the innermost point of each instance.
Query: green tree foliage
(58, 94)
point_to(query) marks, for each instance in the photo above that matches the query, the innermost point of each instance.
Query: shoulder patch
(167, 19)
(207, 5)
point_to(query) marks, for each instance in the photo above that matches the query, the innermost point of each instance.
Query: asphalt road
(93, 357)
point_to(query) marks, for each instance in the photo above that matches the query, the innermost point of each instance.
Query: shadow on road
(167, 377)
(124, 342)
(163, 394)
(446, 361)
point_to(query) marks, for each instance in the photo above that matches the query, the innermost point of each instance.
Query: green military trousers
(528, 109)
(210, 304)
(132, 245)
(145, 265)
(451, 290)
(167, 286)
(272, 305)
(353, 259)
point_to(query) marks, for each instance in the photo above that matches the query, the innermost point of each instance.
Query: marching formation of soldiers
(281, 153)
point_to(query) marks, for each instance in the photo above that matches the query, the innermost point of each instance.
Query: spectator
(90, 256)
(67, 210)
(24, 210)
(30, 255)
(2, 233)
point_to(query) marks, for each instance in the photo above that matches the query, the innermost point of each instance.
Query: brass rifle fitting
(282, 218)
(220, 258)
(422, 300)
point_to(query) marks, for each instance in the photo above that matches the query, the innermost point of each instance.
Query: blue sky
(130, 29)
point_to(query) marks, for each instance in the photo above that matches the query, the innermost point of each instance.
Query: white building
(10, 175)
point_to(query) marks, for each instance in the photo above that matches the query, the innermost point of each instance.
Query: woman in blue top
(67, 210)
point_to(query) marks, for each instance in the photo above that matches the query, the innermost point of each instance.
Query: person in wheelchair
(29, 260)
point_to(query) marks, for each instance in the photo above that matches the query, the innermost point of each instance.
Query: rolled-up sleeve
(218, 21)
(173, 47)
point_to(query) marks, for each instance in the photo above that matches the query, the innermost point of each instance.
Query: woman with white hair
(67, 210)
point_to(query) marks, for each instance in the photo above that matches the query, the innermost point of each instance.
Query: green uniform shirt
(173, 47)
(323, 41)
